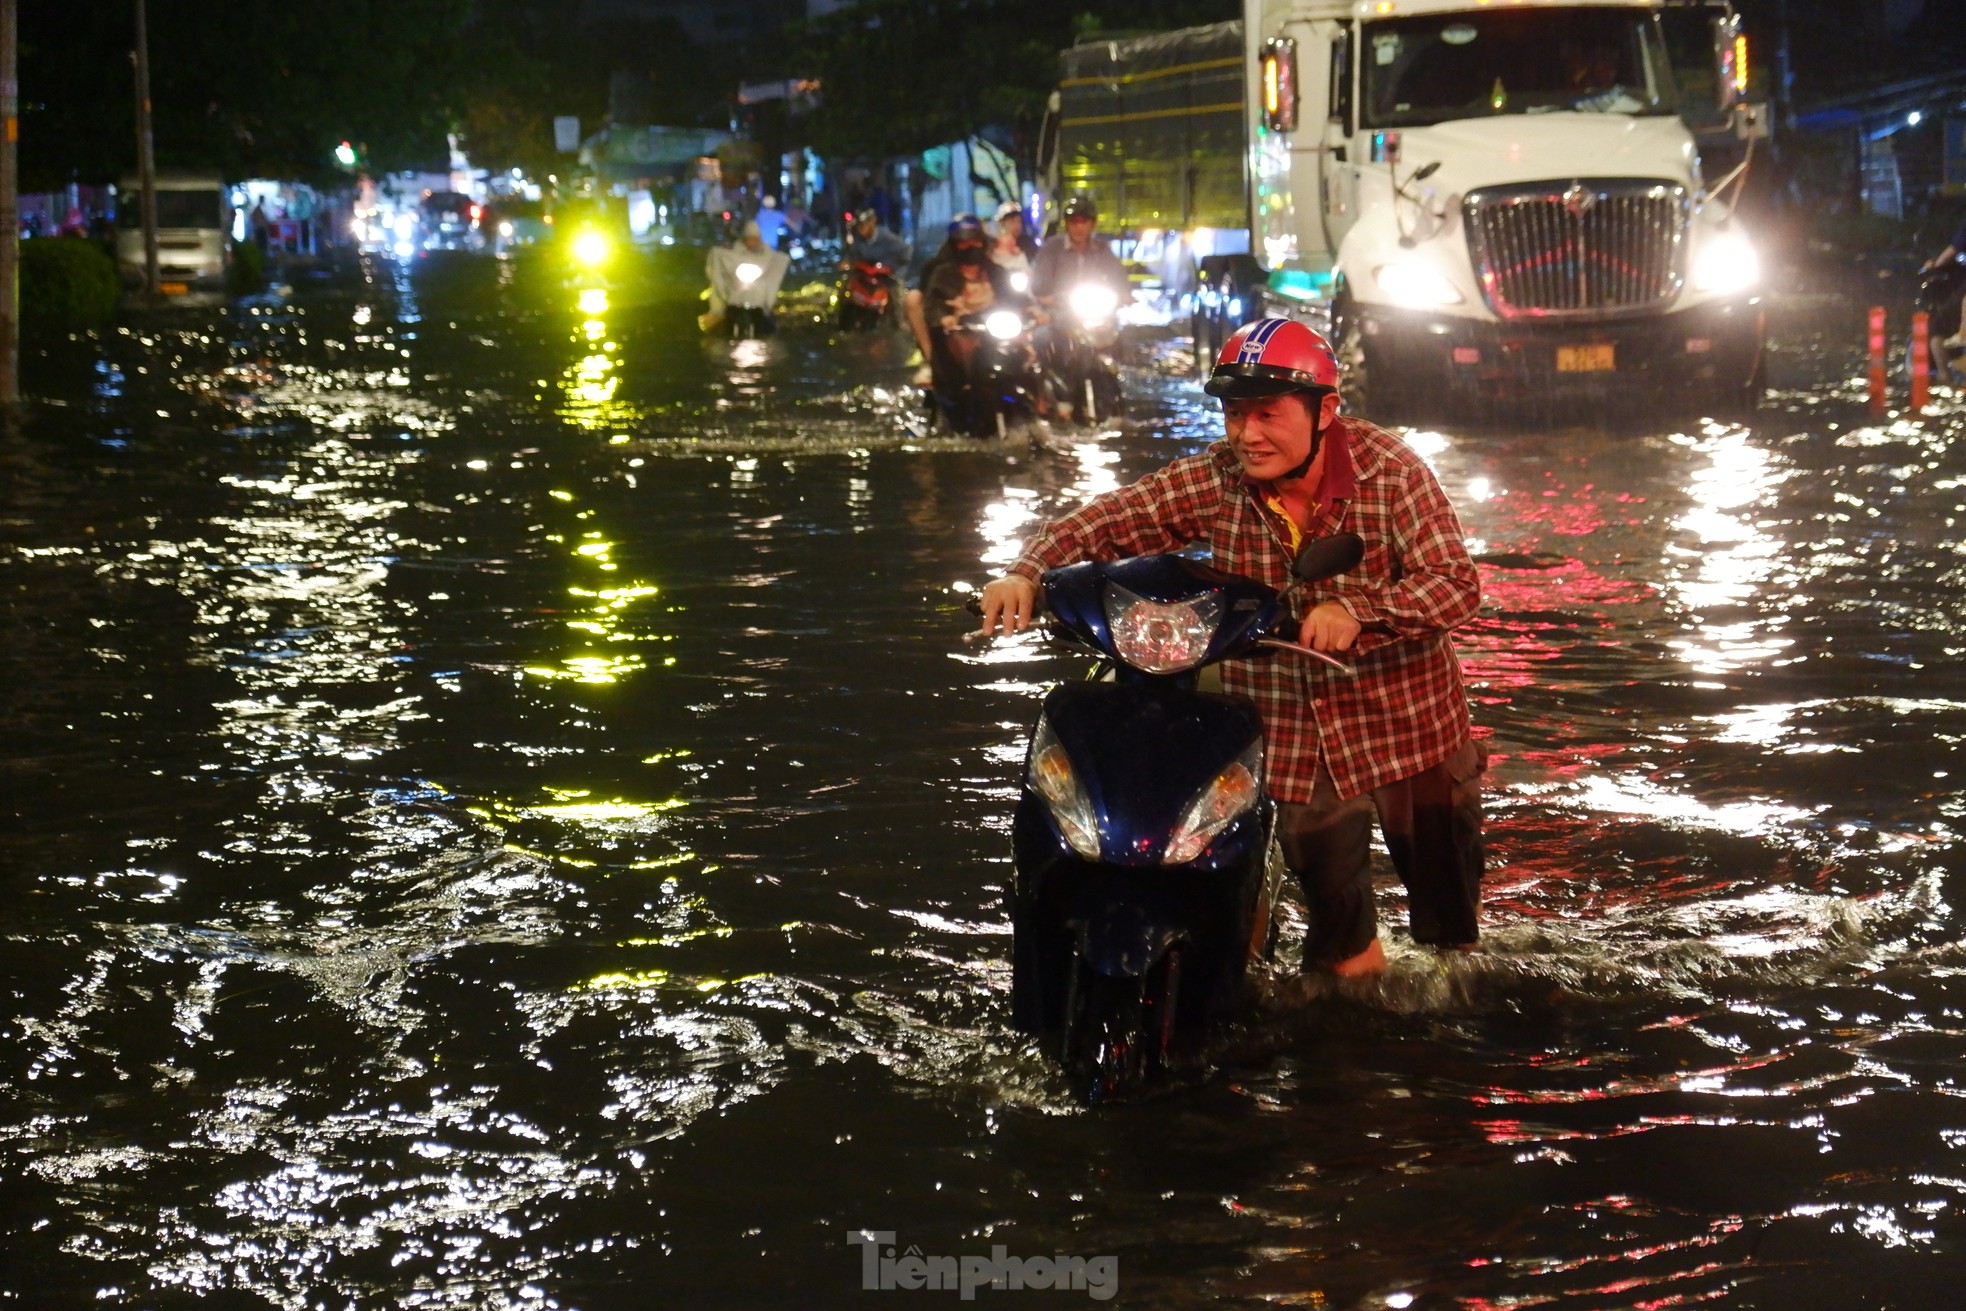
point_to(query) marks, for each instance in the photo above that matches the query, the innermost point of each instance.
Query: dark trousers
(1432, 827)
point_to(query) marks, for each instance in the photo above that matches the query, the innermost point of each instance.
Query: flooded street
(498, 815)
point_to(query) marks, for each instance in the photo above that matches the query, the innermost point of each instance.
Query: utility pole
(9, 204)
(146, 162)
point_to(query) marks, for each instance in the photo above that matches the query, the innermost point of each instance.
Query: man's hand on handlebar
(1010, 601)
(1328, 627)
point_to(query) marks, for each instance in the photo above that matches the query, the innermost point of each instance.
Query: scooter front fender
(1124, 941)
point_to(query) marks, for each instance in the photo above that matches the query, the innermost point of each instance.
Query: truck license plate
(1599, 358)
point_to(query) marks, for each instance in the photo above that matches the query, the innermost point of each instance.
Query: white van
(194, 237)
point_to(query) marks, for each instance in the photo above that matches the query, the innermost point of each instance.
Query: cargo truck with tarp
(1152, 129)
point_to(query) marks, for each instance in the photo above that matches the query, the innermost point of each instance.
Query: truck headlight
(1415, 284)
(1727, 262)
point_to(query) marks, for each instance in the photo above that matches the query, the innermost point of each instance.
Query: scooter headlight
(749, 273)
(1727, 263)
(1161, 637)
(1020, 281)
(1003, 324)
(1052, 778)
(1093, 303)
(1228, 796)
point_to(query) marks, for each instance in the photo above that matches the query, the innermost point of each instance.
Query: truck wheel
(1354, 370)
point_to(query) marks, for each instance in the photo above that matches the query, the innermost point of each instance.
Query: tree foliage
(269, 90)
(252, 89)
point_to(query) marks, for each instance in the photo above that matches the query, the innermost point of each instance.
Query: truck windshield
(1440, 67)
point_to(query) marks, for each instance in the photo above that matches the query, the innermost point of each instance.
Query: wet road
(497, 816)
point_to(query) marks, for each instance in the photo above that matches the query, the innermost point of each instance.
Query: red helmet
(1272, 356)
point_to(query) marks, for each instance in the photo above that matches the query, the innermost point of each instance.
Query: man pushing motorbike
(1394, 735)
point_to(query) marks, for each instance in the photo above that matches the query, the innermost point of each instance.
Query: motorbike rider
(965, 234)
(724, 268)
(967, 282)
(1081, 256)
(1955, 249)
(1078, 257)
(1395, 736)
(1011, 247)
(867, 242)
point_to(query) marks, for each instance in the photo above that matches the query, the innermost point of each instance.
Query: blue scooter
(1144, 889)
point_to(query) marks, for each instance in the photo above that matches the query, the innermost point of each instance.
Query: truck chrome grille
(1603, 246)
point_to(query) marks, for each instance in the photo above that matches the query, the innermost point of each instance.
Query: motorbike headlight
(1003, 324)
(1161, 637)
(505, 229)
(1727, 262)
(590, 247)
(749, 273)
(1052, 778)
(1093, 303)
(1020, 281)
(1227, 797)
(1416, 285)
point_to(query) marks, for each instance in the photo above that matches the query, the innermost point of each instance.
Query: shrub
(248, 271)
(66, 282)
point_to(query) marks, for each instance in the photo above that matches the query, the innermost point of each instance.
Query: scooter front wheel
(1119, 1029)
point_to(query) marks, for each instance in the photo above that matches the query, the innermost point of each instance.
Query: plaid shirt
(1407, 708)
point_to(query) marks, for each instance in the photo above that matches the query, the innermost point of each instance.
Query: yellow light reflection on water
(599, 811)
(591, 668)
(593, 301)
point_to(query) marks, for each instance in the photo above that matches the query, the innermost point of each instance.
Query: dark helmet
(1270, 357)
(966, 227)
(1080, 207)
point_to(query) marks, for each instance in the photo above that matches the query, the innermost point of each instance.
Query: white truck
(194, 242)
(1487, 199)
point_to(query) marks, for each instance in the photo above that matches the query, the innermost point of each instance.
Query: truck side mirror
(1730, 62)
(1751, 121)
(1280, 84)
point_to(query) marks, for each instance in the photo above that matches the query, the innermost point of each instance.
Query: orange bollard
(1877, 359)
(1921, 361)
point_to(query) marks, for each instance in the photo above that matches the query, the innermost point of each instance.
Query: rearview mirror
(1327, 557)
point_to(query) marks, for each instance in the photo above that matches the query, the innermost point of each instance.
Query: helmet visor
(1254, 381)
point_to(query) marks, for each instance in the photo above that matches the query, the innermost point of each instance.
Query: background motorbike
(749, 313)
(1079, 355)
(1940, 290)
(997, 387)
(1144, 887)
(864, 297)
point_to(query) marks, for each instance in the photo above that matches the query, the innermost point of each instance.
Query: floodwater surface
(498, 815)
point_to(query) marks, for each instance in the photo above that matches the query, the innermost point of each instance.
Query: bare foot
(1368, 962)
